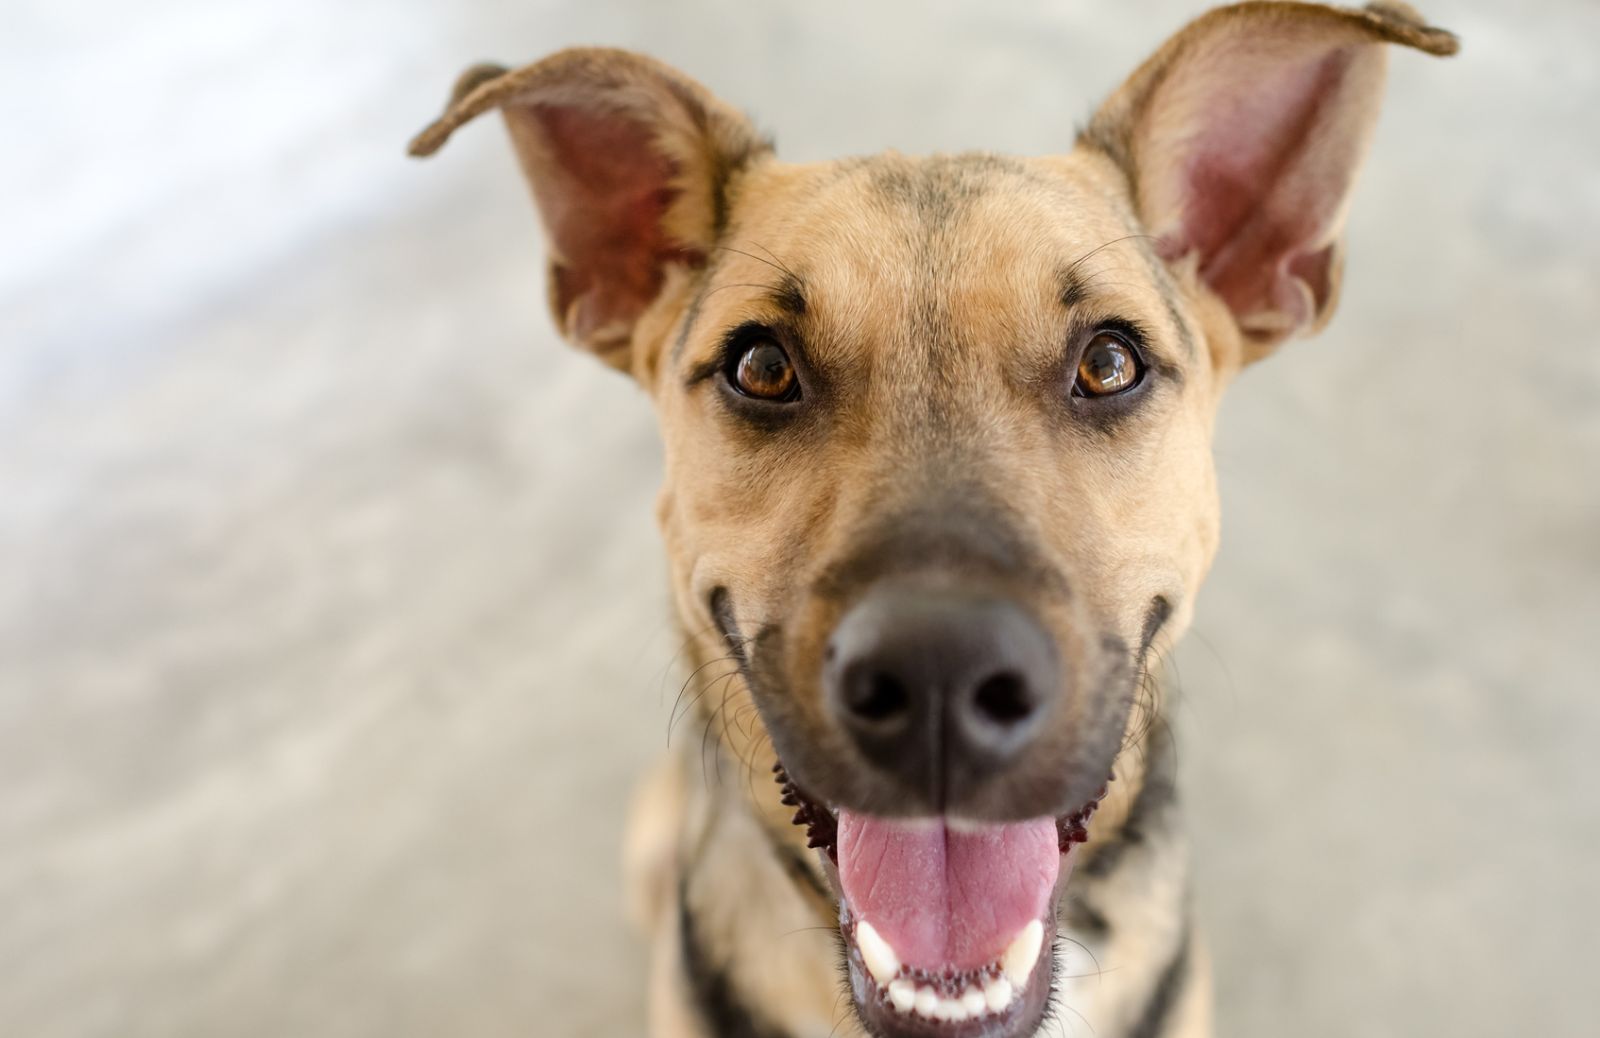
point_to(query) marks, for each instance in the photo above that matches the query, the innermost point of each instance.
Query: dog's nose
(940, 687)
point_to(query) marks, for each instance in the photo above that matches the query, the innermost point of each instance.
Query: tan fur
(894, 250)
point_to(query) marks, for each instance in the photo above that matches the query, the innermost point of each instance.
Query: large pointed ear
(630, 163)
(1241, 138)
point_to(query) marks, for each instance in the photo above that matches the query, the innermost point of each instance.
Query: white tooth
(997, 995)
(927, 1002)
(902, 994)
(880, 958)
(951, 1009)
(973, 1002)
(1017, 963)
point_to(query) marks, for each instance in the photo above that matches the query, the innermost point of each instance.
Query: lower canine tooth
(997, 994)
(927, 1002)
(1017, 963)
(880, 958)
(902, 995)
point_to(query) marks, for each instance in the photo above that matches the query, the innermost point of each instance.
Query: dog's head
(938, 436)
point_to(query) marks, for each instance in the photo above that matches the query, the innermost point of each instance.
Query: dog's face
(938, 440)
(940, 422)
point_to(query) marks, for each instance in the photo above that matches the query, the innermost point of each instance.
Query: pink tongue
(947, 898)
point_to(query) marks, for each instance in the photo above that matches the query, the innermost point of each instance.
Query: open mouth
(947, 924)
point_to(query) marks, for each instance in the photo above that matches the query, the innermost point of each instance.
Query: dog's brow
(1074, 287)
(1071, 287)
(786, 295)
(789, 296)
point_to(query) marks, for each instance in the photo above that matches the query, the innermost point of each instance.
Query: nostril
(1003, 699)
(879, 697)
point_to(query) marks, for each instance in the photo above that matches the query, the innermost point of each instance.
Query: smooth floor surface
(333, 627)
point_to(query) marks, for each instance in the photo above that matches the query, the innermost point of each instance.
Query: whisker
(778, 266)
(1073, 268)
(1099, 971)
(675, 716)
(838, 1004)
(736, 284)
(687, 681)
(706, 734)
(750, 764)
(808, 929)
(684, 646)
(1060, 1003)
(775, 258)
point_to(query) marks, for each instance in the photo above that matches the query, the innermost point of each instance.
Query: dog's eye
(1110, 365)
(763, 370)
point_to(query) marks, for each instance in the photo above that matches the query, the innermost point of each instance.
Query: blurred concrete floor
(332, 625)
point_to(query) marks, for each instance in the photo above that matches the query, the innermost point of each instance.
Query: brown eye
(765, 372)
(1110, 365)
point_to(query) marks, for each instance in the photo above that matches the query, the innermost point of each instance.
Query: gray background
(332, 621)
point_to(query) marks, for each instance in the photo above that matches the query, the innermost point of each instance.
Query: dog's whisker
(686, 643)
(828, 929)
(711, 721)
(755, 740)
(704, 687)
(1116, 284)
(736, 284)
(1143, 704)
(1099, 970)
(756, 744)
(778, 265)
(1072, 268)
(722, 727)
(675, 716)
(1057, 1002)
(672, 717)
(775, 258)
(839, 1004)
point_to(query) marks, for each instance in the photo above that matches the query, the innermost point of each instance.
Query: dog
(938, 490)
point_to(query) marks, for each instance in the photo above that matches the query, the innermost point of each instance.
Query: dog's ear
(630, 163)
(1241, 138)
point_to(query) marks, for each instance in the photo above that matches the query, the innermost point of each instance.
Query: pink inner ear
(1262, 188)
(603, 204)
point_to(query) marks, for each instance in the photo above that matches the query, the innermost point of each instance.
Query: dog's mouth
(947, 925)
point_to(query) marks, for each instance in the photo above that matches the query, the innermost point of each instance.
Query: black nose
(941, 688)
